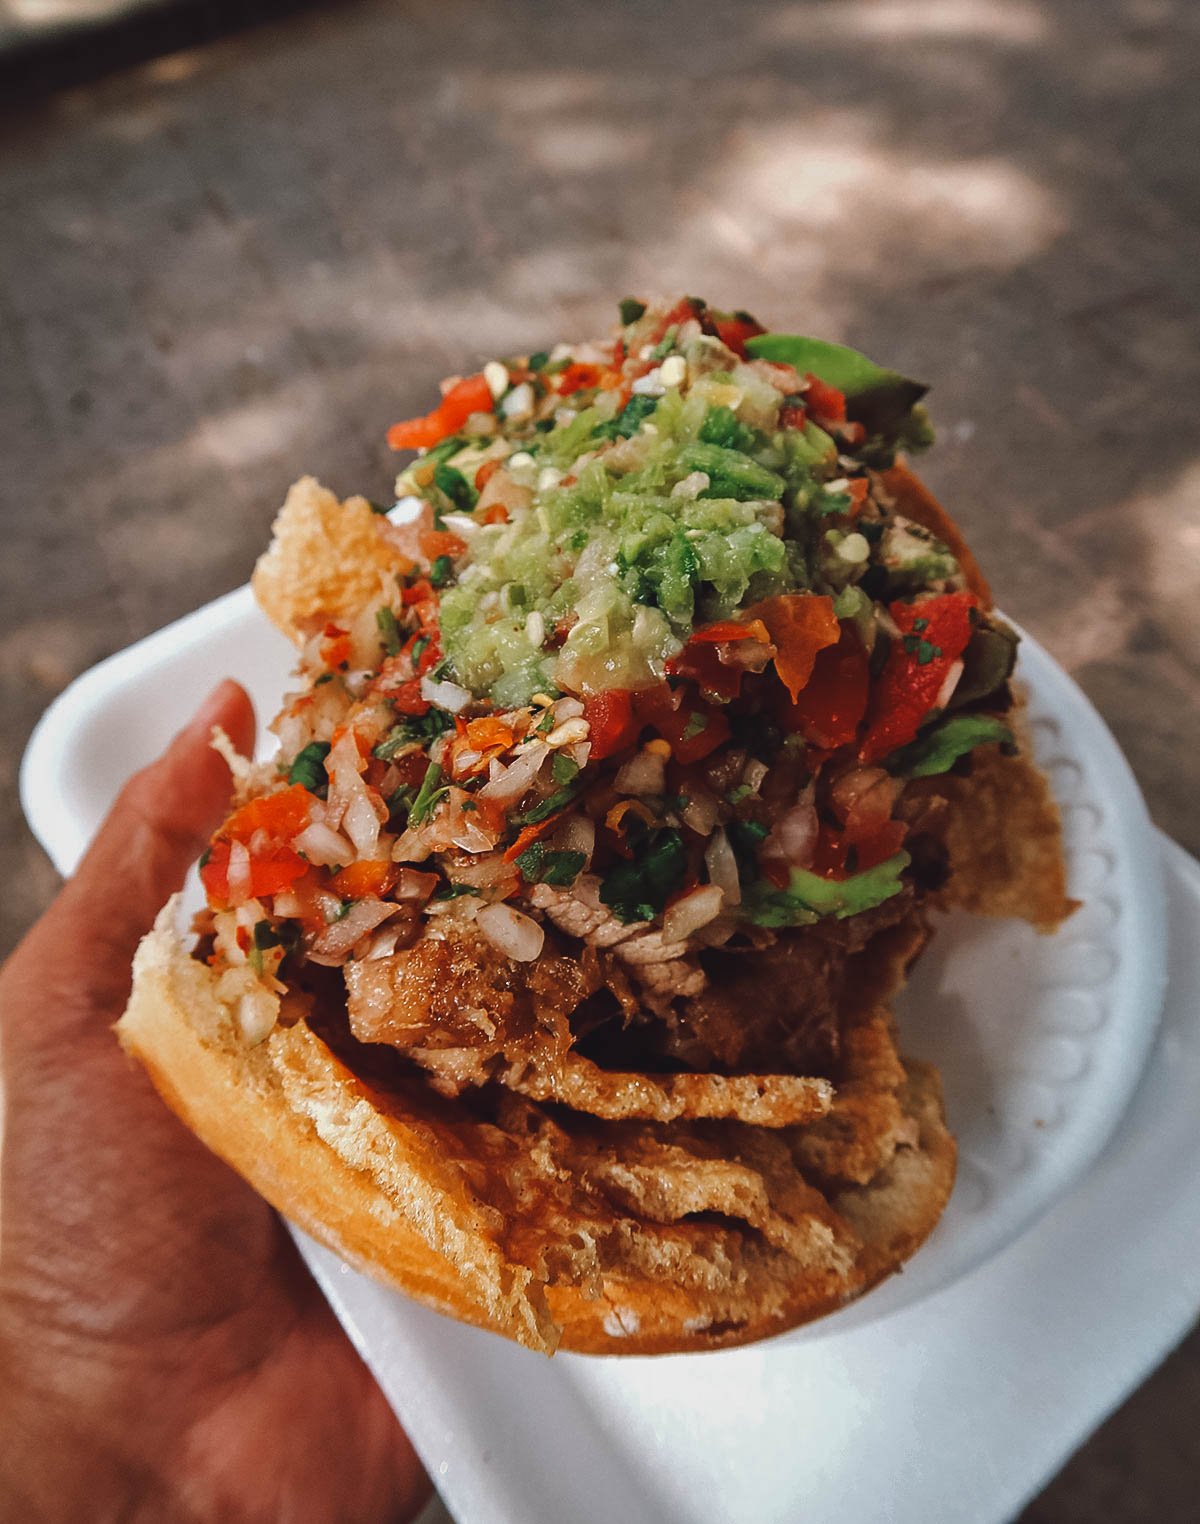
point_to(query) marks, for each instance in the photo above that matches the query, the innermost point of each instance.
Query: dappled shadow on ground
(240, 262)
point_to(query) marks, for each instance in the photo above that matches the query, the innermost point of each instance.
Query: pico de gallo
(660, 634)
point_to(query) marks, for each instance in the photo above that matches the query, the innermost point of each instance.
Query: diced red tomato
(270, 872)
(612, 722)
(792, 416)
(406, 698)
(497, 513)
(335, 646)
(733, 331)
(830, 707)
(471, 395)
(933, 634)
(418, 592)
(692, 731)
(800, 625)
(825, 401)
(580, 377)
(360, 879)
(440, 542)
(281, 816)
(701, 659)
(485, 474)
(411, 768)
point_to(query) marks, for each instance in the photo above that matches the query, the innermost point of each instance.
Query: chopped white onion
(794, 836)
(516, 935)
(257, 1012)
(644, 773)
(323, 846)
(519, 402)
(412, 884)
(464, 524)
(949, 683)
(363, 916)
(577, 834)
(361, 823)
(448, 696)
(691, 912)
(567, 709)
(700, 811)
(517, 777)
(239, 870)
(722, 866)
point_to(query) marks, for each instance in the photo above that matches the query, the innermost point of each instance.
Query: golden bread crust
(439, 1209)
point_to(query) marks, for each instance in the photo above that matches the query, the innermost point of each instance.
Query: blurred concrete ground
(240, 262)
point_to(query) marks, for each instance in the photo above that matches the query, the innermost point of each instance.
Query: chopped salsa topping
(663, 638)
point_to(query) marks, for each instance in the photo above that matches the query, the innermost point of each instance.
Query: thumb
(160, 821)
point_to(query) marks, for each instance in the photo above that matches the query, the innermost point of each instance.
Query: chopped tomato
(933, 634)
(488, 731)
(360, 879)
(833, 857)
(471, 395)
(335, 646)
(715, 671)
(420, 591)
(792, 416)
(731, 629)
(270, 872)
(692, 731)
(282, 816)
(580, 377)
(800, 624)
(440, 542)
(612, 723)
(485, 474)
(830, 707)
(733, 329)
(407, 699)
(825, 401)
(496, 514)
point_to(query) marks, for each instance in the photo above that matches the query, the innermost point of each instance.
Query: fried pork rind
(550, 1228)
(325, 562)
(1002, 835)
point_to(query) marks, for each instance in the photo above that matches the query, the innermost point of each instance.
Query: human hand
(164, 1354)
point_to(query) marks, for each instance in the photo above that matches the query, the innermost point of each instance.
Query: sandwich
(547, 970)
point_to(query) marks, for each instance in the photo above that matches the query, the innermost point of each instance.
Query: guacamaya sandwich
(546, 972)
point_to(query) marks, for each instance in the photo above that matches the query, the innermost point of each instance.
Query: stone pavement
(238, 263)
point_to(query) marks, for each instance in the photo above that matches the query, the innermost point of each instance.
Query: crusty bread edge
(238, 1101)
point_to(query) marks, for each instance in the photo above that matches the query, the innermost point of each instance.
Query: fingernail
(213, 707)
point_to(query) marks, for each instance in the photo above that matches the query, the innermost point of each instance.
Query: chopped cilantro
(453, 891)
(399, 805)
(697, 724)
(389, 631)
(423, 728)
(325, 677)
(563, 768)
(427, 795)
(419, 647)
(922, 624)
(440, 571)
(539, 359)
(630, 309)
(450, 481)
(628, 421)
(549, 806)
(308, 768)
(546, 724)
(540, 864)
(637, 890)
